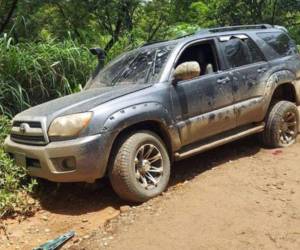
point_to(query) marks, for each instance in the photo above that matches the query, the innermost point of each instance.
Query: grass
(32, 73)
(15, 185)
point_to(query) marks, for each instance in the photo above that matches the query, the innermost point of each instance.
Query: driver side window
(204, 54)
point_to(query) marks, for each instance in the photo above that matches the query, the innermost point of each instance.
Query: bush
(14, 183)
(32, 73)
(4, 128)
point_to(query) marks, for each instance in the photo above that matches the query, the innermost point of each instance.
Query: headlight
(69, 125)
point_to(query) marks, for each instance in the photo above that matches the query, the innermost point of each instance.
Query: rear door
(248, 69)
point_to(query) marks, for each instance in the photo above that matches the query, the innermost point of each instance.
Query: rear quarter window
(280, 42)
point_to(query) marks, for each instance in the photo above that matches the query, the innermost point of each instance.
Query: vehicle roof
(217, 32)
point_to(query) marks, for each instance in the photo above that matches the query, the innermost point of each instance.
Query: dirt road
(239, 196)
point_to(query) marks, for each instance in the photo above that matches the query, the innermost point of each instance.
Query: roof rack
(239, 27)
(152, 42)
(223, 29)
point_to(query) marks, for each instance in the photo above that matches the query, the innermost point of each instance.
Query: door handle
(223, 80)
(261, 70)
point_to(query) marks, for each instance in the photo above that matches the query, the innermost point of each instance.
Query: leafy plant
(15, 185)
(32, 73)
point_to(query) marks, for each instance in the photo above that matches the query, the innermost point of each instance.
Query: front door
(203, 105)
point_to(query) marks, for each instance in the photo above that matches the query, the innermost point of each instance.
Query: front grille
(31, 124)
(30, 133)
(27, 138)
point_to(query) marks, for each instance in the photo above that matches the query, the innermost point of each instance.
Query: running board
(219, 142)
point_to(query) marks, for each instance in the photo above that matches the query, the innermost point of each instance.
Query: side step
(221, 141)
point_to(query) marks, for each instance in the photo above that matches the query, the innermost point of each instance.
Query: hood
(79, 102)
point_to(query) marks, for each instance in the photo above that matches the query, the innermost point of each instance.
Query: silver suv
(164, 102)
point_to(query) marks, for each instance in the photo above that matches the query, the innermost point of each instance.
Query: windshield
(139, 66)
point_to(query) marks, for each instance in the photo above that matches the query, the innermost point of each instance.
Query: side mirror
(187, 71)
(101, 55)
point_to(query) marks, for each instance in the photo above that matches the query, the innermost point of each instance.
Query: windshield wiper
(122, 72)
(153, 64)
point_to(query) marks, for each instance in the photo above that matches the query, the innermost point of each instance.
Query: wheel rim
(288, 128)
(148, 166)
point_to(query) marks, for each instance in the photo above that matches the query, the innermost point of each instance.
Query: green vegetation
(44, 44)
(44, 49)
(31, 73)
(14, 183)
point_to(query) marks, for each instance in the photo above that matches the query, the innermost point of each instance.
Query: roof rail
(281, 28)
(239, 27)
(152, 42)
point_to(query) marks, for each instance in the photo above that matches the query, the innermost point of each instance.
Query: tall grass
(32, 73)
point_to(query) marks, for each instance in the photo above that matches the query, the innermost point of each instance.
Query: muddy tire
(282, 123)
(141, 167)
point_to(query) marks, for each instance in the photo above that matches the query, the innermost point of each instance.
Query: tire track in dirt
(239, 195)
(245, 198)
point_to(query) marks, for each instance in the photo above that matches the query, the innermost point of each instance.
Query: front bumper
(89, 154)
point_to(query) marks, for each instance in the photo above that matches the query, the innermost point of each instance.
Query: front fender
(134, 114)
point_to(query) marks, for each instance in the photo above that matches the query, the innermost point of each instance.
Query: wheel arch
(281, 85)
(148, 125)
(147, 116)
(285, 91)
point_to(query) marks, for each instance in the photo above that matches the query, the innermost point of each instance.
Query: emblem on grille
(23, 127)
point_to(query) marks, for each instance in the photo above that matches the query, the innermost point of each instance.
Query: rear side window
(241, 52)
(280, 42)
(255, 53)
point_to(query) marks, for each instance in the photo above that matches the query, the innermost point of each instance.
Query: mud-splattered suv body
(243, 71)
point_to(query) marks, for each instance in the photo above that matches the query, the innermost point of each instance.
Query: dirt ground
(238, 196)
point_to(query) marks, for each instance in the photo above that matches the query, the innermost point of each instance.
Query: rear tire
(141, 167)
(282, 123)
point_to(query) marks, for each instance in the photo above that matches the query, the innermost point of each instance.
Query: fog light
(32, 163)
(69, 163)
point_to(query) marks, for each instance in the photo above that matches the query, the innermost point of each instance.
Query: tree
(7, 9)
(114, 18)
(127, 23)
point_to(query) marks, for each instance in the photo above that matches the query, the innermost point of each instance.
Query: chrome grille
(28, 132)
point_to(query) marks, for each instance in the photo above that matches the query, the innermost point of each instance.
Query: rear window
(280, 42)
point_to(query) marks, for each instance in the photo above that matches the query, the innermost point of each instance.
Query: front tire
(282, 125)
(141, 167)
